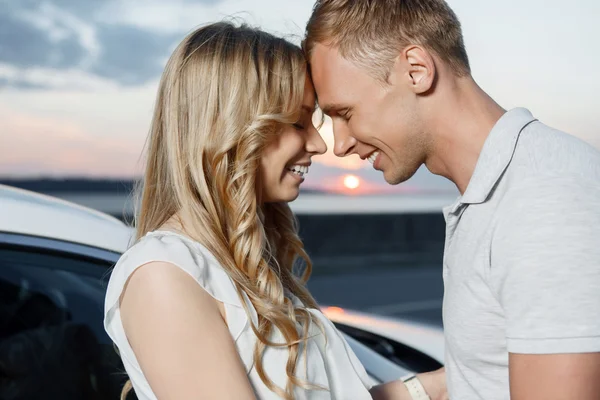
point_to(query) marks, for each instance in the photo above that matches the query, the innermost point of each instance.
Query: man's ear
(419, 68)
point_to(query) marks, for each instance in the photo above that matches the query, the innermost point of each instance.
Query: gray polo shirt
(522, 256)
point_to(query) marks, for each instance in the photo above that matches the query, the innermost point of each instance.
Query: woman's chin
(284, 195)
(294, 196)
(290, 194)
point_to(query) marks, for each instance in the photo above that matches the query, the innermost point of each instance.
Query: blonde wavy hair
(226, 91)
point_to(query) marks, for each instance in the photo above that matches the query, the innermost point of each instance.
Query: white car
(55, 259)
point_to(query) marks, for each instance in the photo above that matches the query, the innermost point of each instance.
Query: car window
(52, 342)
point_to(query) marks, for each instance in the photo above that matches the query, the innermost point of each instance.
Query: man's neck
(459, 129)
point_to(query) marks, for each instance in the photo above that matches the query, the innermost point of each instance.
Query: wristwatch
(415, 388)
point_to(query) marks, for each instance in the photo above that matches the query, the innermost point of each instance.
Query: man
(522, 259)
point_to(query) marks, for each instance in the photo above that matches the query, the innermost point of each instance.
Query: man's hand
(435, 384)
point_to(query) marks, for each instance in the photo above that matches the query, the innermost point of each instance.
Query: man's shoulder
(551, 171)
(552, 195)
(546, 154)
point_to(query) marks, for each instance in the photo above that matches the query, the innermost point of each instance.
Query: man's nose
(344, 142)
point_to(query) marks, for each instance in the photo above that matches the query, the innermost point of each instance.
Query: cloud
(134, 56)
(44, 35)
(65, 36)
(46, 78)
(56, 147)
(123, 41)
(78, 78)
(101, 133)
(179, 16)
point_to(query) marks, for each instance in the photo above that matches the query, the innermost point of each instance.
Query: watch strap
(416, 389)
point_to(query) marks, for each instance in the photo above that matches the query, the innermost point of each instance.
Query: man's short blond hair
(371, 33)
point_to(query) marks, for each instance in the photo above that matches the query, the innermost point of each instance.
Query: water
(309, 203)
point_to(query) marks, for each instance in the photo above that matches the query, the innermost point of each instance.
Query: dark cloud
(133, 56)
(82, 9)
(23, 45)
(127, 55)
(19, 84)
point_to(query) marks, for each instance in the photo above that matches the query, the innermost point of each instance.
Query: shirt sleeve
(545, 266)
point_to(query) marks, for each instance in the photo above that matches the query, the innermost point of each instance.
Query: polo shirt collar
(496, 154)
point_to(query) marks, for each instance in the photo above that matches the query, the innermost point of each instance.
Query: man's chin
(396, 179)
(393, 182)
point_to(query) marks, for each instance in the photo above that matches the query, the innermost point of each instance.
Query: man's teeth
(373, 157)
(299, 170)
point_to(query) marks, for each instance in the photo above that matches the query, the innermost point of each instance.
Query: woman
(206, 304)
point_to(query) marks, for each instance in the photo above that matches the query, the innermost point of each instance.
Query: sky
(78, 79)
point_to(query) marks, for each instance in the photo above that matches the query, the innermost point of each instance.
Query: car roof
(30, 213)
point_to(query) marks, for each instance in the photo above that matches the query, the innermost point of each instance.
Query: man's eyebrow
(330, 108)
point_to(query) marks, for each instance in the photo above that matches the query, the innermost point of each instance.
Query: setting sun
(351, 181)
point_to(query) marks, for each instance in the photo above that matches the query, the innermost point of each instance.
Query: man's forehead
(324, 59)
(327, 83)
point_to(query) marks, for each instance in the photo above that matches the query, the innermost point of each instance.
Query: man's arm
(555, 376)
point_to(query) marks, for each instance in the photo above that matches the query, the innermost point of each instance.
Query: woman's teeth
(373, 157)
(299, 170)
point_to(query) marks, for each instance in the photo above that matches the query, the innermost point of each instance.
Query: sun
(351, 181)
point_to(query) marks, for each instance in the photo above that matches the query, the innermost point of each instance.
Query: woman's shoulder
(166, 247)
(180, 251)
(169, 247)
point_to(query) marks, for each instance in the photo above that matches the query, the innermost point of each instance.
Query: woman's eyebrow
(308, 108)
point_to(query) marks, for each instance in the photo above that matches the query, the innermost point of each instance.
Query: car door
(52, 342)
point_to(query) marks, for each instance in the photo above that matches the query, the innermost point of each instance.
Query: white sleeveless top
(329, 360)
